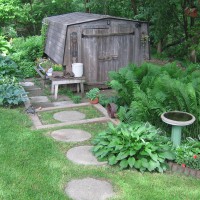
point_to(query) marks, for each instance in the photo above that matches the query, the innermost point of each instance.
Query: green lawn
(90, 112)
(34, 167)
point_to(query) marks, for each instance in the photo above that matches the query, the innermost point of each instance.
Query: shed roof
(79, 17)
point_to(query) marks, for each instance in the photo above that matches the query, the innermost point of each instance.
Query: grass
(34, 167)
(46, 117)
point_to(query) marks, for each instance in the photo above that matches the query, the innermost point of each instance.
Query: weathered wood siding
(101, 43)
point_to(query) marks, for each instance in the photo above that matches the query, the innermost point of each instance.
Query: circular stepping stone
(66, 116)
(27, 84)
(83, 155)
(89, 189)
(70, 135)
(38, 99)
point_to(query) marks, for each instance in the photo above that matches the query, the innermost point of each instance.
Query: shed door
(106, 52)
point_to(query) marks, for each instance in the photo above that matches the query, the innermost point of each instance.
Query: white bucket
(77, 69)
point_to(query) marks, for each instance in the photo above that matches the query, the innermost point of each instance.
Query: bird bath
(177, 119)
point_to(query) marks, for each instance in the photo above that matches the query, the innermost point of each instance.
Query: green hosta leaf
(104, 143)
(145, 162)
(154, 156)
(152, 165)
(122, 155)
(115, 143)
(119, 147)
(101, 153)
(144, 153)
(112, 160)
(131, 161)
(123, 164)
(167, 155)
(96, 148)
(138, 164)
(138, 146)
(160, 169)
(132, 152)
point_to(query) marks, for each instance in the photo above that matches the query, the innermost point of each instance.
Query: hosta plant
(8, 67)
(11, 93)
(140, 146)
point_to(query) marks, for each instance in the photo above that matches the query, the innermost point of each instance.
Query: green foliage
(188, 153)
(58, 68)
(138, 146)
(25, 53)
(105, 100)
(148, 91)
(76, 99)
(4, 45)
(8, 67)
(11, 93)
(93, 93)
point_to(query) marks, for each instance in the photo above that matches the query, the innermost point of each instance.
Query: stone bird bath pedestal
(177, 119)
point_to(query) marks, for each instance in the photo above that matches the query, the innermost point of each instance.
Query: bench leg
(82, 88)
(52, 88)
(56, 92)
(78, 88)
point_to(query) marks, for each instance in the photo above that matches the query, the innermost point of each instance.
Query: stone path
(70, 135)
(89, 189)
(66, 116)
(81, 189)
(83, 155)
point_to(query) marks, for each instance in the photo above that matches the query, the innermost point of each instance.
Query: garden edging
(174, 167)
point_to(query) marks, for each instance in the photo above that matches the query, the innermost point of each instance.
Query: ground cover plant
(34, 166)
(90, 112)
(138, 146)
(9, 68)
(11, 92)
(188, 154)
(145, 92)
(70, 94)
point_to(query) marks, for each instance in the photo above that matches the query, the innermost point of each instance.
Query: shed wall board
(105, 44)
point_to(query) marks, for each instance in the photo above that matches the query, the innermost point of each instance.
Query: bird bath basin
(177, 119)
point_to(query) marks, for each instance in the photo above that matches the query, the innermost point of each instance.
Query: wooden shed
(102, 43)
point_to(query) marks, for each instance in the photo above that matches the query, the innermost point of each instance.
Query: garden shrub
(11, 92)
(25, 53)
(145, 92)
(138, 146)
(188, 154)
(8, 67)
(4, 45)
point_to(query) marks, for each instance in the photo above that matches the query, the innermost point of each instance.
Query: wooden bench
(55, 82)
(57, 79)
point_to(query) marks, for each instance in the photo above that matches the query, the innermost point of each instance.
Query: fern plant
(146, 92)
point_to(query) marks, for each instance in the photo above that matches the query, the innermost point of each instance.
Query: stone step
(70, 135)
(83, 155)
(90, 189)
(51, 104)
(65, 116)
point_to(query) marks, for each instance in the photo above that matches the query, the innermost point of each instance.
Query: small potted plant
(93, 95)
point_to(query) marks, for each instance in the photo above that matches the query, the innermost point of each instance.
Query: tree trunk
(134, 6)
(193, 57)
(185, 22)
(87, 9)
(159, 47)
